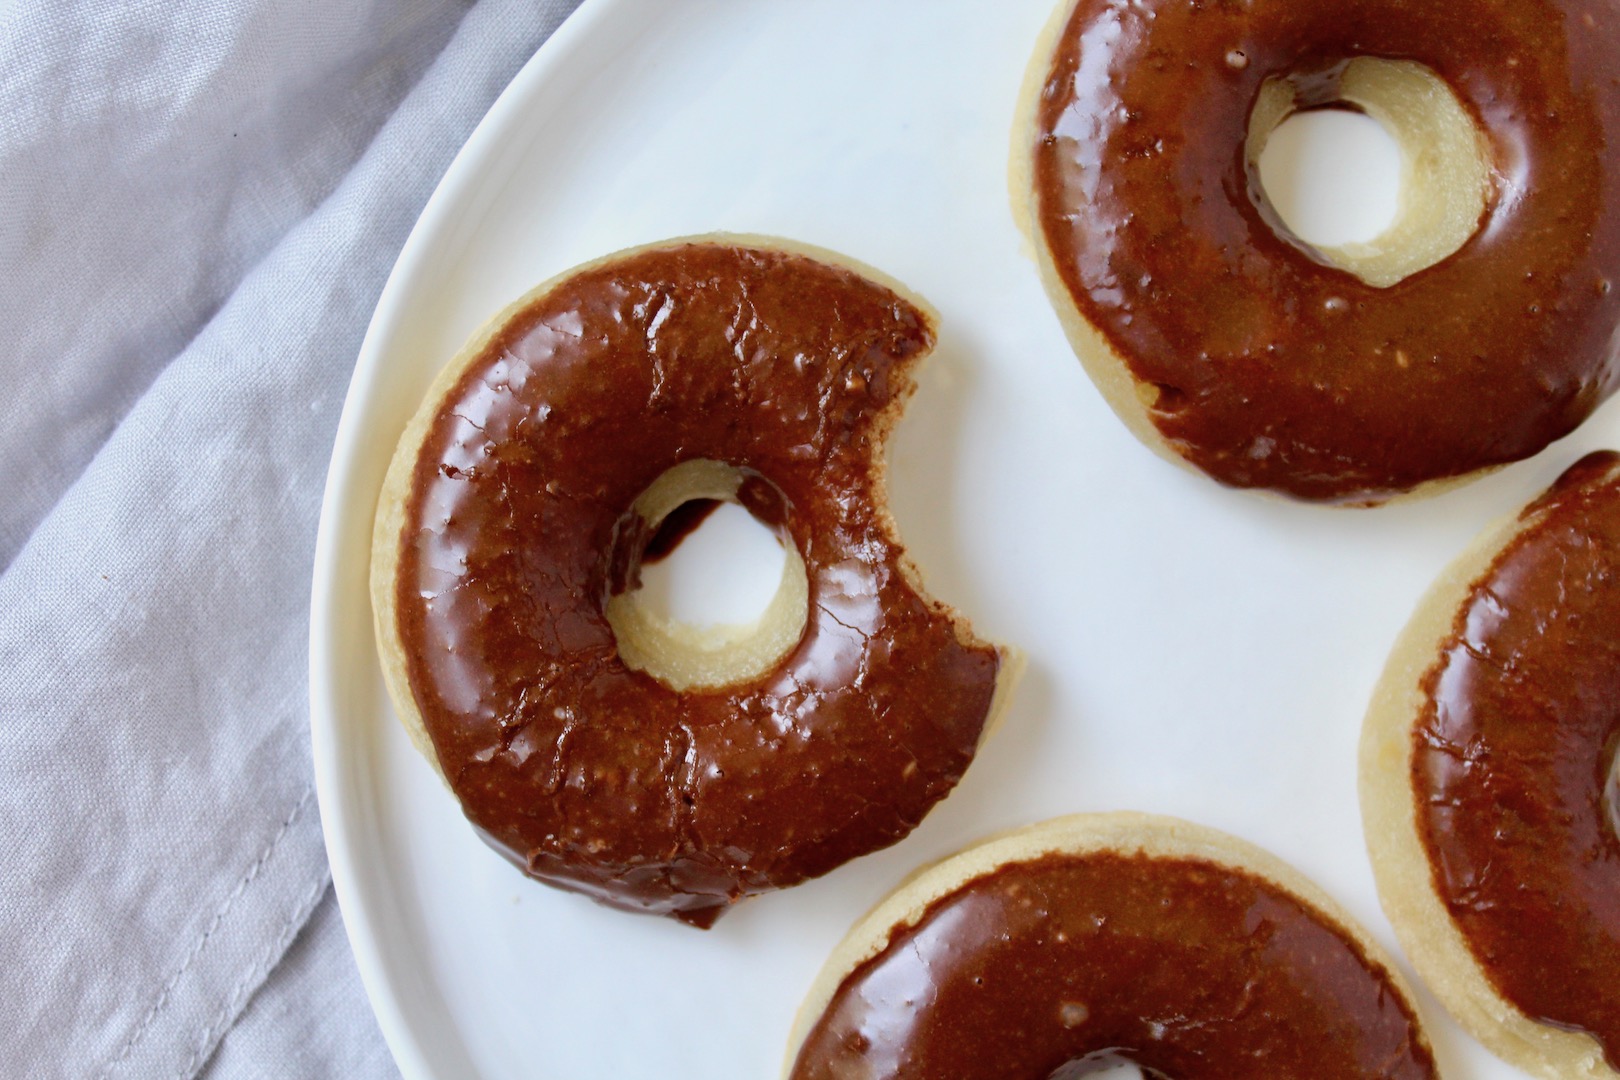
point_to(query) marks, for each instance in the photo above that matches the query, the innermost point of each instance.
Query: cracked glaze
(1042, 969)
(1271, 368)
(598, 778)
(1513, 757)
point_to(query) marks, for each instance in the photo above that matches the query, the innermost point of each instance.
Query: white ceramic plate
(1193, 651)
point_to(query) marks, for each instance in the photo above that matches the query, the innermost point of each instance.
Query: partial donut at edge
(1238, 351)
(1054, 1033)
(1389, 762)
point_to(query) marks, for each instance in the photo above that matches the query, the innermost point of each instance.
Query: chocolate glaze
(601, 779)
(1512, 760)
(1187, 968)
(682, 522)
(1274, 369)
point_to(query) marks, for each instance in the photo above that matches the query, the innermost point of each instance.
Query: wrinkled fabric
(200, 206)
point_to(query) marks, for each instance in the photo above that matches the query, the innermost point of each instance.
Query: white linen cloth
(199, 203)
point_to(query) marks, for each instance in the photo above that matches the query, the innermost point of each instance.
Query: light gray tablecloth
(199, 203)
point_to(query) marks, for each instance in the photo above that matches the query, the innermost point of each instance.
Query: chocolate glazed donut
(1043, 954)
(1224, 340)
(1488, 783)
(593, 746)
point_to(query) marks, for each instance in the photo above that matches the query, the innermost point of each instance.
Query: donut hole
(713, 595)
(1333, 175)
(711, 563)
(1376, 168)
(1104, 1065)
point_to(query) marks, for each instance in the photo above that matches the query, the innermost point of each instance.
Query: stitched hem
(167, 993)
(256, 974)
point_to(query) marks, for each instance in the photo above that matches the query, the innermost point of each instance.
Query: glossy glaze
(682, 522)
(601, 779)
(1273, 369)
(1513, 758)
(1189, 969)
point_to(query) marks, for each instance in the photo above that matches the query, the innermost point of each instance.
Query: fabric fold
(166, 432)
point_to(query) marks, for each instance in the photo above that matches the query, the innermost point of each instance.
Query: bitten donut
(1488, 785)
(1478, 328)
(601, 748)
(1085, 939)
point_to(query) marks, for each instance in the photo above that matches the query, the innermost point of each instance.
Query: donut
(652, 766)
(1488, 788)
(1046, 953)
(1477, 329)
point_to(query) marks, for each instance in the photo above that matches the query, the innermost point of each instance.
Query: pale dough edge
(1106, 368)
(1427, 935)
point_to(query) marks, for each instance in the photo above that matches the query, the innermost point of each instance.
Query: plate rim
(342, 743)
(330, 734)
